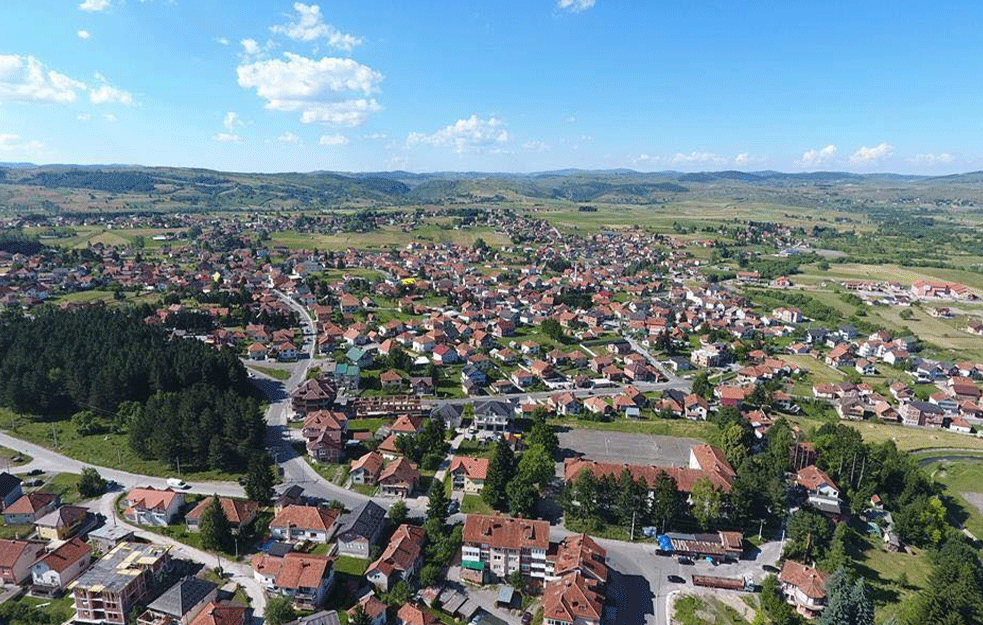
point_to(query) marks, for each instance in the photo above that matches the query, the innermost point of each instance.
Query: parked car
(676, 579)
(526, 618)
(684, 560)
(453, 506)
(176, 482)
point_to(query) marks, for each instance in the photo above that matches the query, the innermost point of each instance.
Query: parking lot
(621, 447)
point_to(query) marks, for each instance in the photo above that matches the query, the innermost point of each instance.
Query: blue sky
(494, 85)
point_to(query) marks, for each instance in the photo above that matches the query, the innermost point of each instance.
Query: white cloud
(867, 155)
(535, 146)
(309, 26)
(226, 137)
(742, 159)
(815, 158)
(109, 117)
(105, 93)
(322, 90)
(13, 143)
(697, 157)
(571, 120)
(288, 137)
(465, 135)
(231, 121)
(933, 159)
(83, 117)
(376, 136)
(26, 79)
(574, 6)
(94, 5)
(222, 41)
(250, 47)
(83, 34)
(333, 140)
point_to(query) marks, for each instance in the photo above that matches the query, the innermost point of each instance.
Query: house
(574, 599)
(325, 431)
(421, 385)
(180, 603)
(149, 506)
(822, 492)
(10, 489)
(239, 512)
(220, 613)
(391, 380)
(105, 538)
(120, 580)
(29, 508)
(565, 403)
(61, 523)
(921, 413)
(304, 579)
(399, 478)
(696, 408)
(365, 471)
(373, 608)
(16, 559)
(322, 617)
(493, 415)
(314, 523)
(450, 415)
(52, 573)
(359, 530)
(400, 560)
(499, 546)
(313, 395)
(804, 587)
(468, 474)
(410, 614)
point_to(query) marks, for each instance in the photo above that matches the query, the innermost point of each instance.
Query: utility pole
(632, 535)
(761, 528)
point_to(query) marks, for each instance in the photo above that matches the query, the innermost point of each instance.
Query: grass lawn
(475, 449)
(702, 430)
(10, 458)
(905, 437)
(351, 566)
(893, 577)
(107, 450)
(962, 477)
(366, 425)
(473, 504)
(276, 374)
(690, 610)
(14, 531)
(64, 485)
(62, 608)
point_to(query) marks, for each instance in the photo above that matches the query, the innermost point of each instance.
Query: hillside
(56, 189)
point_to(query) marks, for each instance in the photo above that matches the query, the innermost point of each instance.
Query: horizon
(503, 86)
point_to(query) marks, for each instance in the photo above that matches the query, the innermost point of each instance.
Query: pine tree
(259, 479)
(214, 527)
(863, 606)
(500, 470)
(437, 505)
(522, 496)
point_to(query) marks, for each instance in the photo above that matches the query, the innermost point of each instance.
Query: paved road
(674, 380)
(242, 574)
(639, 580)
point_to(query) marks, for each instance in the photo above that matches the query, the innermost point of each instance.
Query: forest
(177, 399)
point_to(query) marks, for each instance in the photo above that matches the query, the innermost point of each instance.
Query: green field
(273, 372)
(107, 450)
(962, 479)
(702, 430)
(893, 578)
(474, 504)
(10, 458)
(65, 485)
(386, 237)
(906, 438)
(350, 566)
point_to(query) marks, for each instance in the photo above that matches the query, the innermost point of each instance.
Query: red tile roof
(506, 532)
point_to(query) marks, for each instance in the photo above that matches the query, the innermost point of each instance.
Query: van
(175, 482)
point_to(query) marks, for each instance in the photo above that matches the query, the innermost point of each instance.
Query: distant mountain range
(128, 187)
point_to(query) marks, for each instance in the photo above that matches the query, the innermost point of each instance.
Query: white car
(175, 482)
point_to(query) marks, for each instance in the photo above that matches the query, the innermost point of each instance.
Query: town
(558, 427)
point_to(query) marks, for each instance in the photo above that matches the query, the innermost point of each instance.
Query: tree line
(178, 399)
